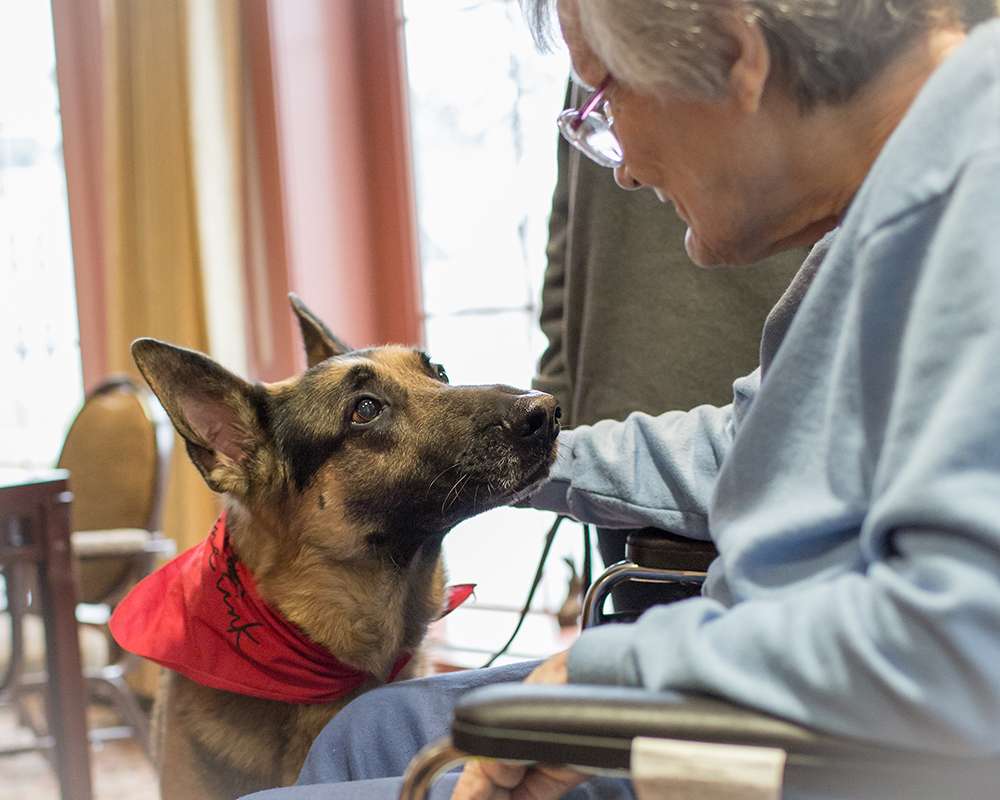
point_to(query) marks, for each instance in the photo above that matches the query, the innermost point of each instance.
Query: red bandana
(200, 615)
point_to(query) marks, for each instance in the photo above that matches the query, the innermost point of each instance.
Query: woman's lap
(376, 735)
(363, 751)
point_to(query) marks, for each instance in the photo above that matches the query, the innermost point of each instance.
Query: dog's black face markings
(469, 455)
(307, 424)
(313, 422)
(410, 454)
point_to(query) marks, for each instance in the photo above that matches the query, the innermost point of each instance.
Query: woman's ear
(751, 65)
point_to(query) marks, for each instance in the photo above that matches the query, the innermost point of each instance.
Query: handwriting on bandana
(230, 585)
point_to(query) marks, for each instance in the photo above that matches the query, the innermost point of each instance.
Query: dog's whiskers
(462, 488)
(454, 486)
(442, 472)
(458, 488)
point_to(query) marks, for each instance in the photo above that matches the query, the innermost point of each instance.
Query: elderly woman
(853, 486)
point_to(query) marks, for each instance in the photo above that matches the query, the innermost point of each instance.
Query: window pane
(485, 348)
(39, 338)
(483, 105)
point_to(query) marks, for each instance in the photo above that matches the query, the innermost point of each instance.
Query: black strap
(549, 539)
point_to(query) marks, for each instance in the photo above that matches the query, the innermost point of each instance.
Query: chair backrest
(117, 450)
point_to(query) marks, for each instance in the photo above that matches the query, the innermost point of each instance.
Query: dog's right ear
(320, 344)
(215, 411)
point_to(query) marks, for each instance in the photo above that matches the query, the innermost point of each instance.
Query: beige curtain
(172, 98)
(157, 187)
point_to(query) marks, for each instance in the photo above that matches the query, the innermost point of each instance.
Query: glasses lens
(593, 136)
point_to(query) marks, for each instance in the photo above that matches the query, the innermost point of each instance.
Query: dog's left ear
(211, 408)
(320, 344)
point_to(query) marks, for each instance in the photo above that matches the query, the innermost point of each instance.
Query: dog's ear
(320, 344)
(216, 412)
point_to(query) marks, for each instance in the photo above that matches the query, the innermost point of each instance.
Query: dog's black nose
(534, 415)
(534, 422)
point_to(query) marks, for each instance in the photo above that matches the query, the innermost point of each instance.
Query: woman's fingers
(501, 780)
(546, 782)
(488, 780)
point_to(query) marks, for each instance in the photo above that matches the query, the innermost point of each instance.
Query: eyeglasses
(588, 129)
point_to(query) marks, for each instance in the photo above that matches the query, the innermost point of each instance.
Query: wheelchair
(603, 730)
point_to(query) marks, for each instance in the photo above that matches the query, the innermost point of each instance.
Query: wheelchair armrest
(651, 547)
(593, 727)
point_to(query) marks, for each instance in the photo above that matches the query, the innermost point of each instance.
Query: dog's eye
(367, 409)
(442, 375)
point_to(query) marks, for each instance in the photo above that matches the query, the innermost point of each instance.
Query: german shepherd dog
(339, 485)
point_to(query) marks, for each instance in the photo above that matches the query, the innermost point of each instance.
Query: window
(39, 337)
(483, 103)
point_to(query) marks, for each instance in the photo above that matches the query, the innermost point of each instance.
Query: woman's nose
(624, 179)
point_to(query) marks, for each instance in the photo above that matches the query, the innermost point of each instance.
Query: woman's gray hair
(822, 50)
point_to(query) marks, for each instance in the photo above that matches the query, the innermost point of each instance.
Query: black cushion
(652, 547)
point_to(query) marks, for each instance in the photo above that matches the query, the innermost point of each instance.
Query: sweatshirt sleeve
(645, 471)
(905, 647)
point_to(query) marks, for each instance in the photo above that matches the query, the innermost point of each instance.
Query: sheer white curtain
(218, 132)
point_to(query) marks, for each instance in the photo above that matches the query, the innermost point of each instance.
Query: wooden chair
(117, 451)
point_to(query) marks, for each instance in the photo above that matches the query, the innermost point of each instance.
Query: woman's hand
(554, 670)
(498, 780)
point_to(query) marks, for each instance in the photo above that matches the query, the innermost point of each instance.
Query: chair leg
(14, 591)
(426, 765)
(107, 682)
(113, 685)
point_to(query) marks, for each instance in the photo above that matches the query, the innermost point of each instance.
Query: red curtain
(329, 201)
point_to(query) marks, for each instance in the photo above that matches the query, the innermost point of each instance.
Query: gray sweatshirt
(854, 491)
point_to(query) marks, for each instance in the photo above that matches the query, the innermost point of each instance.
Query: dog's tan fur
(314, 513)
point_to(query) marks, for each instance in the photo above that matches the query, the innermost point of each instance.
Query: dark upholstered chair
(596, 728)
(117, 451)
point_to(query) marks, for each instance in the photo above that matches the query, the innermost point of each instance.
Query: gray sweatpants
(362, 752)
